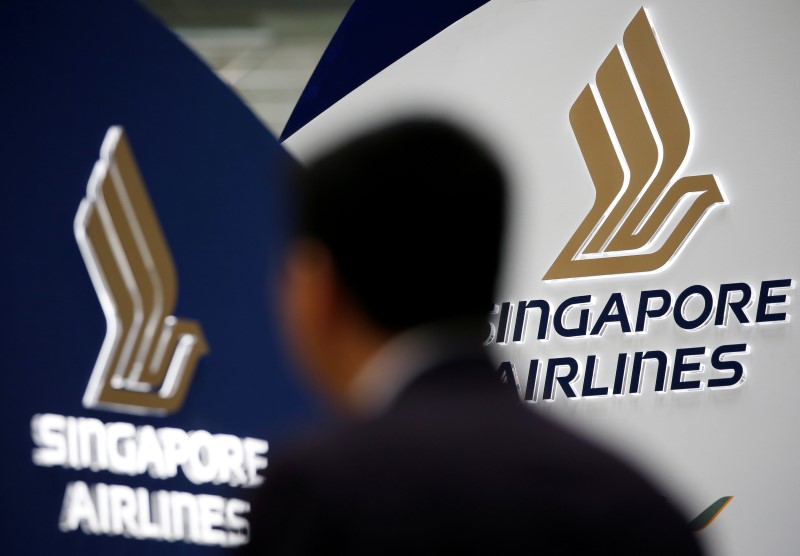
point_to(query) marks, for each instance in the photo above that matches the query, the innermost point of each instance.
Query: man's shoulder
(454, 438)
(459, 417)
(480, 478)
(457, 451)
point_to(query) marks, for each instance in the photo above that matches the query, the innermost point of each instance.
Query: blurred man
(388, 284)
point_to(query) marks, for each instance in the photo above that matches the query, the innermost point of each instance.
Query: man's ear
(310, 281)
(309, 300)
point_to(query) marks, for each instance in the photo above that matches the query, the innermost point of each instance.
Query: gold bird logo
(635, 137)
(148, 356)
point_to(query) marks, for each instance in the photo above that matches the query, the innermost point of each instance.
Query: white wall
(512, 70)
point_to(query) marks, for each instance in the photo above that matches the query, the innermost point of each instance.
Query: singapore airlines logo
(148, 356)
(635, 137)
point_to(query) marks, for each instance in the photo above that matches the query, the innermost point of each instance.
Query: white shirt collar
(395, 365)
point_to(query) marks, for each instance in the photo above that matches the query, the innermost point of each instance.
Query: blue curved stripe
(373, 35)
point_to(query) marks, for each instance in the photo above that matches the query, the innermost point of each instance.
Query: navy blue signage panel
(213, 172)
(373, 35)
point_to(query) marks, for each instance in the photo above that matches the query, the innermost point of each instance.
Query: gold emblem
(148, 356)
(635, 137)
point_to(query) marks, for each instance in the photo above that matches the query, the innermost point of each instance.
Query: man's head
(398, 228)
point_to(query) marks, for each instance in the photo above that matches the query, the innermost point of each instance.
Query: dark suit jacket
(458, 465)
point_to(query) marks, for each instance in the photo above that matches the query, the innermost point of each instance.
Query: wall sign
(648, 294)
(142, 224)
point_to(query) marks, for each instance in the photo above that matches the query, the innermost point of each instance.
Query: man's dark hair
(412, 215)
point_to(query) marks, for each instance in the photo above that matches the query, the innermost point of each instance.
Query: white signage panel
(648, 297)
